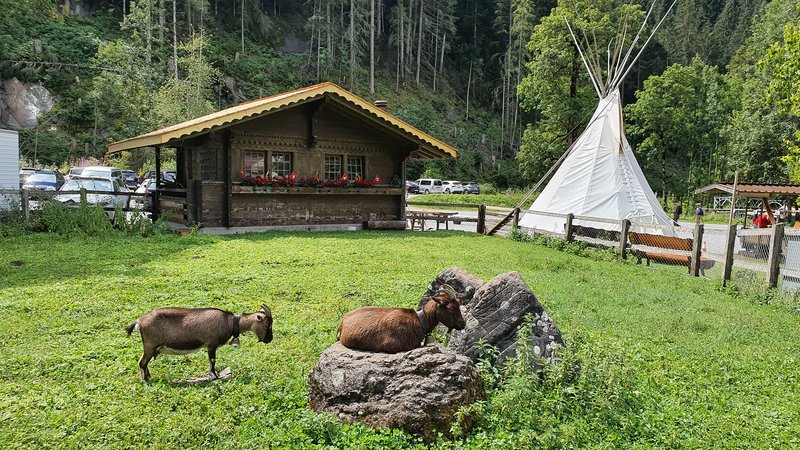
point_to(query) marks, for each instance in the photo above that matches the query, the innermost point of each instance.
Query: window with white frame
(281, 164)
(333, 167)
(355, 167)
(254, 164)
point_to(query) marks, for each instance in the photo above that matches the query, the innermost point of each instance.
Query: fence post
(481, 219)
(25, 204)
(731, 245)
(774, 259)
(697, 248)
(568, 227)
(623, 239)
(83, 195)
(515, 219)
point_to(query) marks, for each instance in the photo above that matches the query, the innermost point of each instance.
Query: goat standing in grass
(177, 331)
(394, 330)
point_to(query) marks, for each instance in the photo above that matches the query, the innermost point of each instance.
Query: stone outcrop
(21, 104)
(459, 279)
(495, 314)
(418, 391)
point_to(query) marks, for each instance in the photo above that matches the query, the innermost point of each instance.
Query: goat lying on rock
(177, 331)
(394, 330)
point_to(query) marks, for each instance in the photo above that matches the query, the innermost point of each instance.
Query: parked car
(107, 193)
(24, 173)
(471, 187)
(129, 178)
(452, 187)
(73, 172)
(167, 177)
(46, 180)
(104, 172)
(412, 187)
(148, 185)
(429, 186)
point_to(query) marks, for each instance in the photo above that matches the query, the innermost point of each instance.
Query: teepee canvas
(599, 176)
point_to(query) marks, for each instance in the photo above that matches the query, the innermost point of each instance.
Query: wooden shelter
(765, 192)
(319, 155)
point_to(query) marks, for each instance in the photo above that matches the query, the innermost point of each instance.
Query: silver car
(108, 193)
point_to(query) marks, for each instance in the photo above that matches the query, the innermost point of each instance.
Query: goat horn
(447, 290)
(266, 310)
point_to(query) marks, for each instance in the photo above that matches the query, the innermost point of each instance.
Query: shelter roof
(429, 146)
(751, 189)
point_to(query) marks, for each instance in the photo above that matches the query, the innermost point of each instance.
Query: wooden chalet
(282, 161)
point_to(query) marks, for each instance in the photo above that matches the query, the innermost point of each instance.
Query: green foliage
(676, 121)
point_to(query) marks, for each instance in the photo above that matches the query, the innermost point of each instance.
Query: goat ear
(259, 318)
(438, 299)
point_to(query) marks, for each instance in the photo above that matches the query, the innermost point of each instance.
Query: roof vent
(382, 104)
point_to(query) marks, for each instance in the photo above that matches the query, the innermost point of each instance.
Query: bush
(588, 395)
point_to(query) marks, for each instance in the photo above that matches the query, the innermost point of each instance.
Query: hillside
(498, 79)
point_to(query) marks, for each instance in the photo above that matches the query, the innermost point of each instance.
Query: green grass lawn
(504, 200)
(665, 360)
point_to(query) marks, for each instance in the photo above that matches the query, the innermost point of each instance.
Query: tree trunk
(419, 39)
(371, 46)
(352, 43)
(242, 27)
(175, 37)
(469, 84)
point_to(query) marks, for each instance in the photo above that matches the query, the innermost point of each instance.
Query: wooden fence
(168, 202)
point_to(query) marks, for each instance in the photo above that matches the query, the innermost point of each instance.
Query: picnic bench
(417, 218)
(676, 244)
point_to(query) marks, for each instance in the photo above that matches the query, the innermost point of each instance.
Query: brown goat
(177, 331)
(394, 330)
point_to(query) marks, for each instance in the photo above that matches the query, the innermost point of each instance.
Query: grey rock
(464, 283)
(23, 103)
(419, 391)
(495, 315)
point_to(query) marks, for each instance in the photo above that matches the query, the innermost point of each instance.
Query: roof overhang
(428, 147)
(751, 190)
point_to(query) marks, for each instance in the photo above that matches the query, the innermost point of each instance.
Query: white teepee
(599, 176)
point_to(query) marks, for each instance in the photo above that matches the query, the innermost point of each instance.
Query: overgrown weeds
(578, 248)
(51, 216)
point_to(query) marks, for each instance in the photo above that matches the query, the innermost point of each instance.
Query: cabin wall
(329, 132)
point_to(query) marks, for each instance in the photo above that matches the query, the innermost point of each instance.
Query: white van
(108, 173)
(429, 186)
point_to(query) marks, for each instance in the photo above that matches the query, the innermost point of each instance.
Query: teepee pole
(588, 69)
(621, 66)
(644, 46)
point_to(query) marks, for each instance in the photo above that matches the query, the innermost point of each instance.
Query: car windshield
(89, 185)
(46, 177)
(95, 173)
(75, 170)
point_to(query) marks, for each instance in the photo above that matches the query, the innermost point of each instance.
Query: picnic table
(417, 218)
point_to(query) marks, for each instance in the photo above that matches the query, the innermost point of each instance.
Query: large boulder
(464, 283)
(419, 391)
(495, 315)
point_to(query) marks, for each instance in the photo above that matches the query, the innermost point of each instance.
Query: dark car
(46, 180)
(471, 187)
(412, 188)
(129, 178)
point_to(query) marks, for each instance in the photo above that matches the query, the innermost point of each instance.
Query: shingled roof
(429, 146)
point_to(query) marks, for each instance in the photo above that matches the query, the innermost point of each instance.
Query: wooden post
(774, 259)
(515, 219)
(481, 219)
(154, 209)
(623, 239)
(568, 227)
(726, 271)
(697, 247)
(25, 204)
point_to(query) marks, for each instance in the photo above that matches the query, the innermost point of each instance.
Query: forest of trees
(715, 92)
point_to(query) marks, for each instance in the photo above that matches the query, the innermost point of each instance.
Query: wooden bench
(667, 243)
